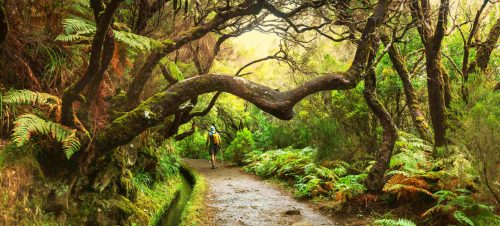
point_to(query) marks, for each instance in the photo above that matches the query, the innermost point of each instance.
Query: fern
(136, 42)
(28, 124)
(463, 209)
(27, 97)
(391, 222)
(78, 29)
(406, 187)
(349, 186)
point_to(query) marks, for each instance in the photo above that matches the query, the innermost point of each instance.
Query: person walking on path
(213, 143)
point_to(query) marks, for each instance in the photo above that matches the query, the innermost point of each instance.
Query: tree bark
(375, 180)
(95, 84)
(411, 97)
(4, 26)
(485, 49)
(437, 77)
(71, 94)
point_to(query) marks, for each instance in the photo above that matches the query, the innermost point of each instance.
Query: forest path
(237, 198)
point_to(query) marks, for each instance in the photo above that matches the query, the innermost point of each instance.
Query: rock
(292, 212)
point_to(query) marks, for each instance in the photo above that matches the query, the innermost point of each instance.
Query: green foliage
(192, 146)
(349, 187)
(413, 156)
(297, 167)
(478, 137)
(76, 29)
(391, 222)
(26, 125)
(175, 71)
(142, 180)
(79, 30)
(168, 165)
(463, 208)
(28, 97)
(242, 144)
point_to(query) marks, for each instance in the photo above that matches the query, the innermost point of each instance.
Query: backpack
(216, 139)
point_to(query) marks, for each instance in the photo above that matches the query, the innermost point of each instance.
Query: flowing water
(174, 213)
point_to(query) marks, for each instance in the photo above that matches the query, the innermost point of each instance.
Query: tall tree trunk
(437, 78)
(437, 103)
(411, 97)
(4, 26)
(375, 181)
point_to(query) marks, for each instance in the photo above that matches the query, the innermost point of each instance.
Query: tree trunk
(4, 26)
(411, 97)
(375, 181)
(485, 49)
(437, 78)
(437, 103)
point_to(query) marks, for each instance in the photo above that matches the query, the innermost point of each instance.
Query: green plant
(192, 146)
(142, 180)
(28, 124)
(242, 144)
(349, 187)
(462, 208)
(297, 167)
(27, 97)
(478, 137)
(391, 222)
(168, 165)
(78, 29)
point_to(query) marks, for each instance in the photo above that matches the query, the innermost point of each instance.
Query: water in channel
(174, 213)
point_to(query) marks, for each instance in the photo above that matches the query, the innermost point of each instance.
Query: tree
(438, 83)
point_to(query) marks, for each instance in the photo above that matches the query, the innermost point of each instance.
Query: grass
(192, 212)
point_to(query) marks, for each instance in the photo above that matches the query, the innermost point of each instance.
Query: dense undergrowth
(444, 187)
(25, 187)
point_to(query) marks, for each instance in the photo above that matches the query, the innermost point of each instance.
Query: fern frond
(135, 41)
(79, 26)
(391, 222)
(28, 124)
(79, 29)
(405, 186)
(27, 97)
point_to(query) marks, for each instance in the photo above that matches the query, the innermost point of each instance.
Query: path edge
(192, 214)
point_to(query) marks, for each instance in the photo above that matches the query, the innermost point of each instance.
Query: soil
(237, 198)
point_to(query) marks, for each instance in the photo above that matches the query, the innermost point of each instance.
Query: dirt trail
(237, 198)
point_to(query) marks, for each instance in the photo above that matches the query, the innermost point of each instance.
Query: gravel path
(237, 198)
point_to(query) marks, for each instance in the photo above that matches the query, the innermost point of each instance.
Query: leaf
(175, 71)
(28, 124)
(462, 218)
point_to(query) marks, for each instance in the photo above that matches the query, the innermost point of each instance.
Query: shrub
(242, 144)
(479, 138)
(192, 146)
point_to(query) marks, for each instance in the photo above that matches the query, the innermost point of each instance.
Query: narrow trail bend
(237, 198)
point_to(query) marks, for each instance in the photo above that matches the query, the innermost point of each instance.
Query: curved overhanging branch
(156, 108)
(279, 104)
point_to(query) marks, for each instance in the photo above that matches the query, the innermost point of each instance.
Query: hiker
(213, 143)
